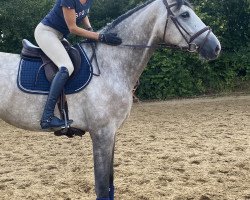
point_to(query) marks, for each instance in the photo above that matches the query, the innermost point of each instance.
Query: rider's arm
(86, 23)
(70, 18)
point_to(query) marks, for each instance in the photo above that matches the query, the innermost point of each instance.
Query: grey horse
(103, 106)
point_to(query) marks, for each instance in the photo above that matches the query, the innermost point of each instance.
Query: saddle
(29, 50)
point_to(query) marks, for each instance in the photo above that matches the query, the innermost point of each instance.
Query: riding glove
(110, 39)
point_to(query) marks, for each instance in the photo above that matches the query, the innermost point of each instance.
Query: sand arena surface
(197, 149)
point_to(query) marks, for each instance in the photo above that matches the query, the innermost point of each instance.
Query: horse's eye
(185, 15)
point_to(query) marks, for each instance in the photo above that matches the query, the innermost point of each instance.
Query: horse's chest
(111, 108)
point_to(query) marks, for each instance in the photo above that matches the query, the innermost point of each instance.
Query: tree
(18, 20)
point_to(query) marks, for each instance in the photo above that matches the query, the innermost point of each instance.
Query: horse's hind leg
(103, 147)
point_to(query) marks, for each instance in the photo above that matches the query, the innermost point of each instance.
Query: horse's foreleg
(103, 147)
(111, 178)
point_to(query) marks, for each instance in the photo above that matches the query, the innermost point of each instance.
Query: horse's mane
(140, 6)
(126, 15)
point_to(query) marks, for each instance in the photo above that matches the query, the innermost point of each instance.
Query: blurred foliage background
(169, 73)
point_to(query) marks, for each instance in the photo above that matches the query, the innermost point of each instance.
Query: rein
(156, 46)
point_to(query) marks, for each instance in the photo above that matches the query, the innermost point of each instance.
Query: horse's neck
(137, 29)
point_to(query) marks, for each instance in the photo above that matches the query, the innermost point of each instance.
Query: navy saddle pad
(29, 67)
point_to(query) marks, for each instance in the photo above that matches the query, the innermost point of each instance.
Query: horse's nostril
(217, 50)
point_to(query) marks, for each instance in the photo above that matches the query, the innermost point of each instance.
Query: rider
(64, 18)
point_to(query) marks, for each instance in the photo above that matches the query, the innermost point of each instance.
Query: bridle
(191, 47)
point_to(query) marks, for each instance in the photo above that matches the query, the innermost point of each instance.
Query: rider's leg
(48, 119)
(49, 41)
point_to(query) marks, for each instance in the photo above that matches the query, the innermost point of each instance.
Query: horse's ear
(187, 3)
(179, 4)
(183, 2)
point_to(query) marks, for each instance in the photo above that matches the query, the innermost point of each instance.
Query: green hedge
(176, 74)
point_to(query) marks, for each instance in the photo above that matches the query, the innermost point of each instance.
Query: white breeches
(49, 40)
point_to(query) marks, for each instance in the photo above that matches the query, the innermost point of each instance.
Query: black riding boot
(48, 119)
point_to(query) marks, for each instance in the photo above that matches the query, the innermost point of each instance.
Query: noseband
(191, 47)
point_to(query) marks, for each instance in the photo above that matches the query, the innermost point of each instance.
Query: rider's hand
(110, 39)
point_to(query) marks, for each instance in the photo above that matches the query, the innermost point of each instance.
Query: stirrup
(54, 122)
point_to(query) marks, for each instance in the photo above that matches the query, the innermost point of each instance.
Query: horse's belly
(99, 108)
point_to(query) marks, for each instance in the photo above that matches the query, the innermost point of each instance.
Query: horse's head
(182, 27)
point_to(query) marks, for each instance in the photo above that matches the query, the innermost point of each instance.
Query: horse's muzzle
(211, 48)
